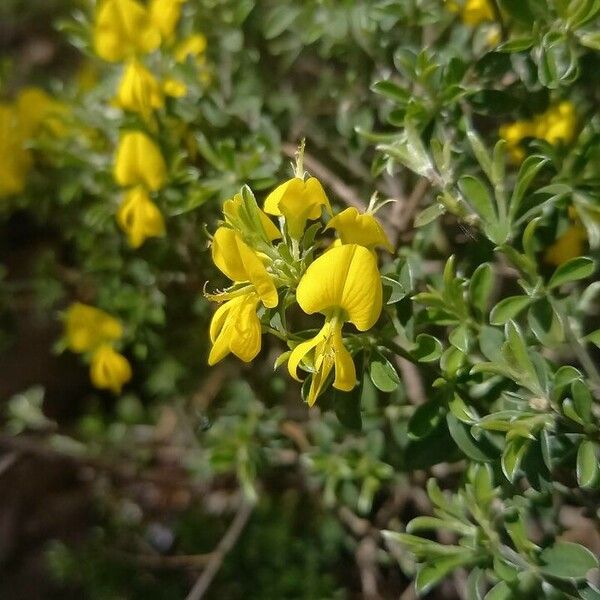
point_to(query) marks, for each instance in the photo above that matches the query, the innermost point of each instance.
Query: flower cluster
(93, 333)
(557, 124)
(20, 121)
(273, 268)
(124, 32)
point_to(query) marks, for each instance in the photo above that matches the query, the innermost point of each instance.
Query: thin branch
(8, 461)
(225, 545)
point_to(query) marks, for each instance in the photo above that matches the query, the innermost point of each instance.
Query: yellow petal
(193, 46)
(475, 12)
(235, 328)
(344, 278)
(139, 217)
(122, 29)
(240, 263)
(139, 162)
(87, 327)
(165, 15)
(109, 370)
(361, 229)
(139, 91)
(569, 245)
(36, 108)
(298, 201)
(226, 256)
(174, 88)
(329, 353)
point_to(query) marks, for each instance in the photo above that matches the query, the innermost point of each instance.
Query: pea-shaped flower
(15, 159)
(344, 285)
(109, 370)
(139, 91)
(362, 229)
(88, 327)
(557, 124)
(139, 217)
(139, 162)
(235, 326)
(297, 201)
(123, 29)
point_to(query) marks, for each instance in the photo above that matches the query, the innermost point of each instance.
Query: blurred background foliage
(450, 108)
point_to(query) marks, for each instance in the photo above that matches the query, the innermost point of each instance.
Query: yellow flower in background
(87, 327)
(165, 15)
(109, 370)
(557, 124)
(15, 159)
(344, 285)
(235, 328)
(37, 109)
(193, 46)
(514, 134)
(235, 259)
(139, 91)
(123, 28)
(362, 229)
(174, 88)
(475, 12)
(139, 162)
(139, 217)
(567, 246)
(298, 201)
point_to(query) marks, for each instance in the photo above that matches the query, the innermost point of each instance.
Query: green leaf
(508, 309)
(428, 348)
(545, 324)
(424, 420)
(426, 523)
(490, 342)
(593, 337)
(500, 591)
(480, 151)
(590, 39)
(479, 197)
(474, 583)
(530, 167)
(587, 464)
(429, 214)
(459, 338)
(582, 400)
(575, 269)
(461, 411)
(518, 10)
(566, 560)
(393, 291)
(392, 91)
(475, 449)
(512, 456)
(516, 45)
(432, 573)
(480, 287)
(383, 375)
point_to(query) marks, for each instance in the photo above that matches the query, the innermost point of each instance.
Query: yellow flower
(361, 229)
(514, 133)
(139, 217)
(567, 246)
(475, 12)
(87, 327)
(298, 201)
(109, 370)
(193, 46)
(235, 328)
(15, 159)
(344, 285)
(165, 15)
(37, 109)
(174, 88)
(139, 91)
(241, 264)
(123, 29)
(558, 123)
(139, 162)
